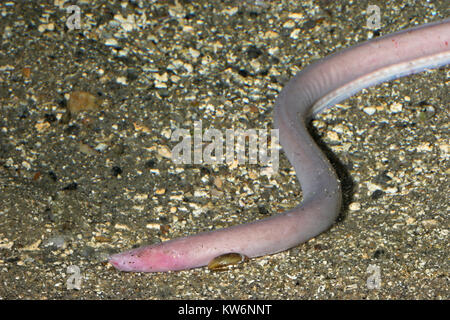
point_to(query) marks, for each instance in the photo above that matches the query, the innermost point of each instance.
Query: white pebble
(370, 110)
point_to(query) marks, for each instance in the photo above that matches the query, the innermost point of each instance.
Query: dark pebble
(116, 171)
(71, 186)
(150, 164)
(377, 194)
(263, 210)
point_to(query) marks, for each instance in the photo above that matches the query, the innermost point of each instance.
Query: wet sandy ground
(77, 188)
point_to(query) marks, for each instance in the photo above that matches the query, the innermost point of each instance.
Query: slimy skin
(317, 87)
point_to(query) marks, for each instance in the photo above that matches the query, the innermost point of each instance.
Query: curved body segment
(315, 88)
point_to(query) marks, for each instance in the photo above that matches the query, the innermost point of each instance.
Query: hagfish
(317, 87)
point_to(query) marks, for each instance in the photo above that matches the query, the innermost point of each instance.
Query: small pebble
(82, 101)
(56, 241)
(370, 110)
(354, 206)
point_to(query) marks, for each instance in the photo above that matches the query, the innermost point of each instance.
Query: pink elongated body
(315, 88)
